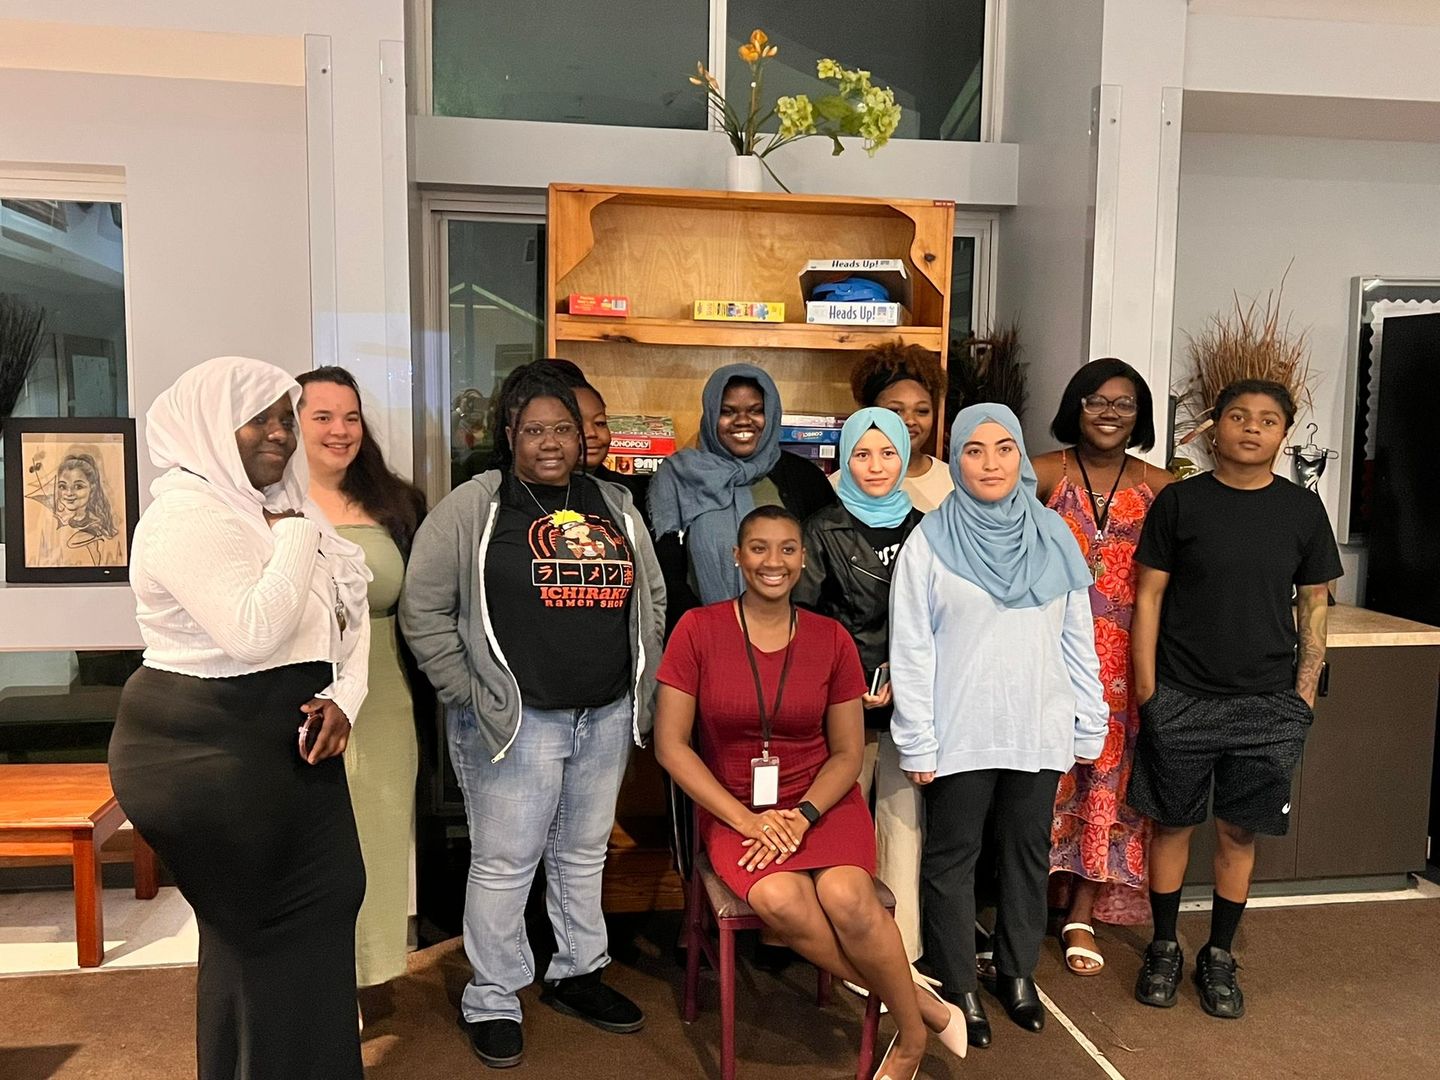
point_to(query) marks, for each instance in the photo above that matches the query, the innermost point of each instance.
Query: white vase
(743, 172)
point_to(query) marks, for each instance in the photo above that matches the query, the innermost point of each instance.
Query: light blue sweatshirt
(978, 685)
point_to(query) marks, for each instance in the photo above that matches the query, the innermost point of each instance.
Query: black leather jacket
(845, 580)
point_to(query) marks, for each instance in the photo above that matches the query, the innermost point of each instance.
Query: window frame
(95, 184)
(420, 16)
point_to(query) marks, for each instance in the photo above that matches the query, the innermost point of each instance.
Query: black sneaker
(1215, 978)
(1160, 974)
(498, 1043)
(589, 999)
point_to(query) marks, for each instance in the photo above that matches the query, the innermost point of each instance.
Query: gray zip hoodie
(446, 621)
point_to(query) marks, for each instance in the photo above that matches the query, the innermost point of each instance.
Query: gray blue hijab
(883, 511)
(1015, 549)
(704, 492)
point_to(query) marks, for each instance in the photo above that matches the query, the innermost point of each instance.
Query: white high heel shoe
(881, 1074)
(954, 1037)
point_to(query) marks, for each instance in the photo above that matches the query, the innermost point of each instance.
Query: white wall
(216, 249)
(1250, 204)
(1051, 65)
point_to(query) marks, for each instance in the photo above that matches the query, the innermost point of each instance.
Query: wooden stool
(48, 810)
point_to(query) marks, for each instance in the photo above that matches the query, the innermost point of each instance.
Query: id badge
(764, 780)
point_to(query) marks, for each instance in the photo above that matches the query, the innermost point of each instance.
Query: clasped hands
(772, 836)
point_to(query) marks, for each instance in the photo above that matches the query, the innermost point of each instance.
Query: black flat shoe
(500, 1044)
(1159, 977)
(1220, 994)
(977, 1024)
(587, 998)
(1022, 1003)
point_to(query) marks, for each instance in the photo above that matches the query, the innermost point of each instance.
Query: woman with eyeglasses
(1103, 492)
(534, 604)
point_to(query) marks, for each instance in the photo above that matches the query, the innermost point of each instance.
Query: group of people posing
(1046, 662)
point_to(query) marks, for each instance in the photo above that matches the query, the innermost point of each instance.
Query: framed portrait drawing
(72, 496)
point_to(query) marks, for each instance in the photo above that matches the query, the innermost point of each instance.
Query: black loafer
(498, 1043)
(589, 999)
(1022, 1003)
(1220, 994)
(1159, 978)
(977, 1024)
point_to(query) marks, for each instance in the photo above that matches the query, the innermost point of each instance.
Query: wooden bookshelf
(665, 249)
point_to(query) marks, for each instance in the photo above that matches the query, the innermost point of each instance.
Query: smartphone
(309, 732)
(879, 679)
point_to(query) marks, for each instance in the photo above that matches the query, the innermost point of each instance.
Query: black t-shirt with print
(884, 541)
(557, 587)
(1227, 625)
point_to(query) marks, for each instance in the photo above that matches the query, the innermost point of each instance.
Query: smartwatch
(808, 809)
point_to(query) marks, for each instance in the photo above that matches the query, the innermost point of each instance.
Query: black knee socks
(1165, 910)
(1224, 921)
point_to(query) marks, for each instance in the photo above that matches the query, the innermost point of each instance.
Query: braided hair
(537, 379)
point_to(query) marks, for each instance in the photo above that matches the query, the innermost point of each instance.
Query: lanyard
(1101, 516)
(766, 716)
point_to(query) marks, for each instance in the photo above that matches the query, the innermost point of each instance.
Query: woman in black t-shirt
(534, 604)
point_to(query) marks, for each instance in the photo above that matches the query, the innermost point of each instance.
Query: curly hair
(99, 520)
(891, 363)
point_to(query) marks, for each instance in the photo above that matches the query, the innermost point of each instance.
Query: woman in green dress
(371, 506)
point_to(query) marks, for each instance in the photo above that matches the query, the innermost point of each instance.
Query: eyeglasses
(1095, 404)
(563, 431)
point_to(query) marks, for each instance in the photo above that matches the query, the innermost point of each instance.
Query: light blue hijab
(704, 492)
(884, 511)
(1016, 549)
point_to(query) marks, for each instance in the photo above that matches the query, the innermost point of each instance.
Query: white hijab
(191, 433)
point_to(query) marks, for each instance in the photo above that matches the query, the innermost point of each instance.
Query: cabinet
(664, 249)
(1360, 801)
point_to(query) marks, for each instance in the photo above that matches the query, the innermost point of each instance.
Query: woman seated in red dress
(777, 691)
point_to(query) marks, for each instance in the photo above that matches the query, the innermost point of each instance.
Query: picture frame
(72, 498)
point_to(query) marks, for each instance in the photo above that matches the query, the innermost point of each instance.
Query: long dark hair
(537, 379)
(99, 521)
(391, 501)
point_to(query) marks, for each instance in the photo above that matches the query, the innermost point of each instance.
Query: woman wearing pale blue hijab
(997, 694)
(850, 549)
(700, 495)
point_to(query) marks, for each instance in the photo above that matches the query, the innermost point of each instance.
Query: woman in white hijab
(226, 746)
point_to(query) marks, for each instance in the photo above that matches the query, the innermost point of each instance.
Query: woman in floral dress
(1103, 493)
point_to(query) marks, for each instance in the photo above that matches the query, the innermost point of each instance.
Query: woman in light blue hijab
(850, 549)
(997, 694)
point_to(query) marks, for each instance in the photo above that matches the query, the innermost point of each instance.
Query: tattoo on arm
(1311, 619)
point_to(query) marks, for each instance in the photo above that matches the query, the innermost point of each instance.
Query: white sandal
(1074, 951)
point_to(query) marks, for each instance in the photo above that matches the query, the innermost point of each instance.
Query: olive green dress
(380, 763)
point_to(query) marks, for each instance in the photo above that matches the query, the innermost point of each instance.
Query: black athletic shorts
(1249, 745)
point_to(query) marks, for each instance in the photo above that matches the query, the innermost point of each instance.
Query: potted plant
(856, 108)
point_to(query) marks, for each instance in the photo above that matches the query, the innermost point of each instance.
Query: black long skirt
(264, 848)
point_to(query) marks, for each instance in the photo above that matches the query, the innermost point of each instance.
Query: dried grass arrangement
(21, 326)
(987, 367)
(1251, 341)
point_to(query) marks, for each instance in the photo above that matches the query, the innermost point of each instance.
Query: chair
(710, 899)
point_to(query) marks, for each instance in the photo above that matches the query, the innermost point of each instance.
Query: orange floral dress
(1095, 834)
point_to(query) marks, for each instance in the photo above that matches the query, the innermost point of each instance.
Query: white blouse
(215, 600)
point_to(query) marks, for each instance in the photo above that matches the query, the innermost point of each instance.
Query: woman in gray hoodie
(534, 604)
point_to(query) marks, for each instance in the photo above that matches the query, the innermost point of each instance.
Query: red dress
(706, 659)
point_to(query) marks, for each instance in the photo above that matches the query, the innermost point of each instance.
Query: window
(962, 289)
(495, 319)
(60, 706)
(930, 52)
(61, 263)
(573, 61)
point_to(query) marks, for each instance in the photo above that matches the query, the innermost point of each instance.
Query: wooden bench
(49, 810)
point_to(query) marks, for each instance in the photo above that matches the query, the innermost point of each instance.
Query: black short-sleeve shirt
(1227, 626)
(558, 578)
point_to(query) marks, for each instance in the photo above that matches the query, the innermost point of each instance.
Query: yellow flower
(828, 69)
(749, 53)
(758, 38)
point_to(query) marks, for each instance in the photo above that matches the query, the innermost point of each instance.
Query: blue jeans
(551, 796)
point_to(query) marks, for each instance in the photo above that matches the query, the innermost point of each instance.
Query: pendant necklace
(1100, 508)
(554, 515)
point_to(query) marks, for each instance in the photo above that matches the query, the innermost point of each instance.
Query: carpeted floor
(1334, 992)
